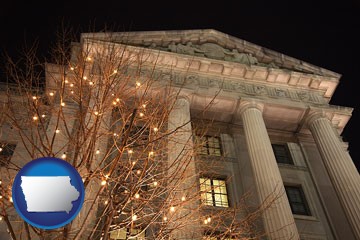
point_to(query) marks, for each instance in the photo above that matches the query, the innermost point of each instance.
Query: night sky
(322, 33)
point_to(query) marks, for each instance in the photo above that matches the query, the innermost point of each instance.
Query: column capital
(315, 115)
(250, 103)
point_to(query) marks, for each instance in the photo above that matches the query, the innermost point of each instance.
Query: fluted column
(278, 219)
(182, 172)
(341, 169)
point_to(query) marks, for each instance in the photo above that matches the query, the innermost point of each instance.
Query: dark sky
(323, 33)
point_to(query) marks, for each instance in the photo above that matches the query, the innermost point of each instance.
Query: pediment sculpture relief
(214, 51)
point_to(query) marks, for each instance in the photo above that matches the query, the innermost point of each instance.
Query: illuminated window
(297, 200)
(210, 145)
(282, 153)
(128, 233)
(213, 192)
(6, 152)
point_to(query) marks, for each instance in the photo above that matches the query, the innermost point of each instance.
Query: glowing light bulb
(134, 217)
(96, 113)
(1, 218)
(88, 58)
(115, 71)
(151, 154)
(10, 199)
(137, 195)
(91, 83)
(34, 97)
(72, 68)
(138, 84)
(106, 202)
(209, 219)
(205, 221)
(35, 118)
(63, 156)
(172, 209)
(1, 151)
(118, 99)
(183, 198)
(85, 77)
(0, 197)
(63, 104)
(51, 94)
(155, 183)
(141, 114)
(165, 219)
(156, 129)
(43, 115)
(57, 131)
(144, 105)
(114, 103)
(71, 85)
(130, 151)
(97, 151)
(103, 182)
(66, 81)
(72, 92)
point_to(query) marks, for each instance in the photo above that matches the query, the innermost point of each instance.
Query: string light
(88, 58)
(63, 156)
(144, 105)
(172, 209)
(156, 129)
(103, 182)
(1, 151)
(66, 81)
(183, 198)
(141, 114)
(72, 92)
(57, 131)
(137, 196)
(151, 154)
(134, 217)
(155, 183)
(63, 104)
(0, 197)
(43, 115)
(72, 68)
(91, 83)
(138, 84)
(106, 202)
(1, 218)
(130, 151)
(51, 94)
(97, 151)
(118, 99)
(34, 97)
(114, 103)
(205, 221)
(84, 77)
(35, 118)
(138, 172)
(96, 113)
(115, 71)
(165, 219)
(71, 85)
(209, 219)
(10, 199)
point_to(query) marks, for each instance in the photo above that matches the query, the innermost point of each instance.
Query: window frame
(304, 202)
(290, 160)
(5, 159)
(204, 140)
(204, 195)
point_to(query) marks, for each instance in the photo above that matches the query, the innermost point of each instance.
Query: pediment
(212, 44)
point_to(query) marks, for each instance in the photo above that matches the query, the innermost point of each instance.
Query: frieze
(193, 81)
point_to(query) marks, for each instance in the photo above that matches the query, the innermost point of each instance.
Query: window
(6, 151)
(282, 153)
(210, 145)
(297, 200)
(213, 192)
(128, 233)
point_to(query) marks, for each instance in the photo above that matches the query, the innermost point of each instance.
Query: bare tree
(105, 108)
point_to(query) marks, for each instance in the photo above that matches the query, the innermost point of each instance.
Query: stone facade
(262, 98)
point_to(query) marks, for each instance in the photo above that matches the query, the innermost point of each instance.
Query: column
(278, 218)
(340, 167)
(182, 171)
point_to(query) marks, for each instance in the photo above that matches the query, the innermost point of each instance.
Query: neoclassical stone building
(272, 125)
